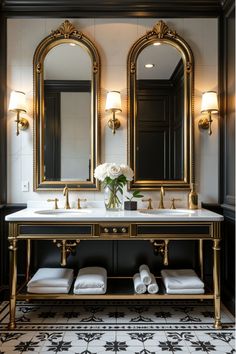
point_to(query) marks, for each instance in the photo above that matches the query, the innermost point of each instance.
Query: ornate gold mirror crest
(66, 69)
(160, 110)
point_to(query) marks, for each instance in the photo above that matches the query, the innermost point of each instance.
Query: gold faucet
(162, 193)
(66, 194)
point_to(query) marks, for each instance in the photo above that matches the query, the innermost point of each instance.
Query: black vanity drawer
(173, 229)
(56, 230)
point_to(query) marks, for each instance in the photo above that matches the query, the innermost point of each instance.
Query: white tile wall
(113, 38)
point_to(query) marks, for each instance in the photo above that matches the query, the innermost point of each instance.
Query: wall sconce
(17, 104)
(209, 106)
(113, 104)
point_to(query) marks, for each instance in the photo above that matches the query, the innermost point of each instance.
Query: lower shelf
(117, 289)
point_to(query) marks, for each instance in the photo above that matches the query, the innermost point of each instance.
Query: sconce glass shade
(113, 101)
(209, 102)
(17, 101)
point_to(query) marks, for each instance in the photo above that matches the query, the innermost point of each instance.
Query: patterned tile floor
(116, 327)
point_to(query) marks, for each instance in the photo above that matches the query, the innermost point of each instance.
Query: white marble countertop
(101, 215)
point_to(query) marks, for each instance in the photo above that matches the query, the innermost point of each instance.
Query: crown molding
(112, 8)
(227, 5)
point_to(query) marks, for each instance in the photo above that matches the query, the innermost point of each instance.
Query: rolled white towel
(90, 291)
(139, 287)
(153, 288)
(91, 277)
(52, 277)
(48, 289)
(181, 279)
(145, 274)
(185, 291)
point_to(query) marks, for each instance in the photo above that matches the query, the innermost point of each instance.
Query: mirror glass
(160, 110)
(67, 113)
(160, 113)
(66, 69)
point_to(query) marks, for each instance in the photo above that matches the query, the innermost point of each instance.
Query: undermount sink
(167, 212)
(63, 211)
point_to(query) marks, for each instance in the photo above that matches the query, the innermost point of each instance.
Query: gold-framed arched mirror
(66, 69)
(160, 110)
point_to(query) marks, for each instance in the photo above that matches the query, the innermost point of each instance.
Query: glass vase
(113, 198)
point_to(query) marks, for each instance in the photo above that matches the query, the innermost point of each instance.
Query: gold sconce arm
(21, 123)
(114, 123)
(205, 123)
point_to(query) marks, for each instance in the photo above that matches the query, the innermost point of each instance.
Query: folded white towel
(185, 291)
(181, 279)
(139, 287)
(145, 274)
(50, 277)
(90, 291)
(48, 289)
(153, 288)
(91, 277)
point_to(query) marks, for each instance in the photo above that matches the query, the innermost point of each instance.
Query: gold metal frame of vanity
(75, 231)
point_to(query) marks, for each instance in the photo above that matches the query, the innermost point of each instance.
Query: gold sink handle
(55, 200)
(173, 200)
(80, 200)
(149, 200)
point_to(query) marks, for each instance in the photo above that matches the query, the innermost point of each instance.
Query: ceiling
(165, 59)
(80, 67)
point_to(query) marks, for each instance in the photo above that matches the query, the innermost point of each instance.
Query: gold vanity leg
(201, 258)
(216, 280)
(166, 260)
(13, 281)
(28, 260)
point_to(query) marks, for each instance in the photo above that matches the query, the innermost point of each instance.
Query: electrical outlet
(25, 186)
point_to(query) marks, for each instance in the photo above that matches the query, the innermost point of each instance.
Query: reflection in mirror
(160, 110)
(67, 119)
(66, 110)
(160, 113)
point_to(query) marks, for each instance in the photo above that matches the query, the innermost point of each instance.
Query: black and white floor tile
(116, 327)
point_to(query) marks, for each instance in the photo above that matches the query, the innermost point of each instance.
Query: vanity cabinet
(66, 235)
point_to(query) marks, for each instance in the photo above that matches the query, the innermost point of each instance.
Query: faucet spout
(66, 194)
(162, 193)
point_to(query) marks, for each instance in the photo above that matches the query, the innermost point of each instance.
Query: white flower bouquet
(113, 177)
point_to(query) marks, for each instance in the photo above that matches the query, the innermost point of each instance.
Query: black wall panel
(227, 181)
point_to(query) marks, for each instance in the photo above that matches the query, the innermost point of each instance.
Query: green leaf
(139, 196)
(128, 198)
